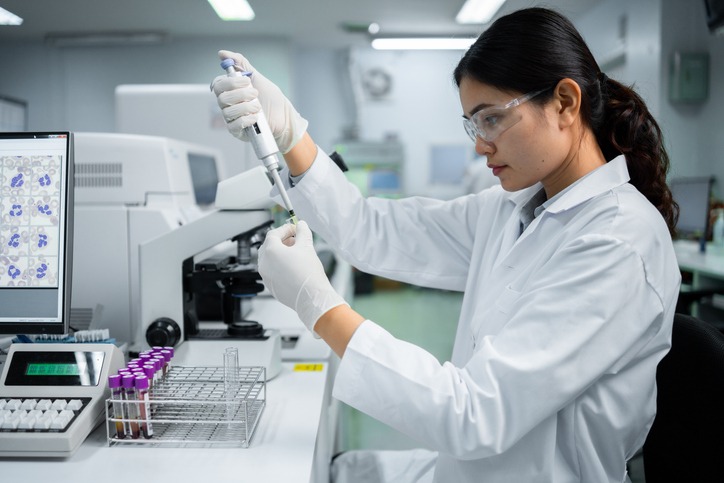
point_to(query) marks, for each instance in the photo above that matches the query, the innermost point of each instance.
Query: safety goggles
(491, 122)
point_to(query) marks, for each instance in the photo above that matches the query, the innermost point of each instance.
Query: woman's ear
(567, 95)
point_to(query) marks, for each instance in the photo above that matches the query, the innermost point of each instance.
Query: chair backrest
(686, 441)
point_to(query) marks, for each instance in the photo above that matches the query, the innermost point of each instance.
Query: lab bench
(292, 443)
(703, 271)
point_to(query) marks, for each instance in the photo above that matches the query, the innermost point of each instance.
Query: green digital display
(52, 369)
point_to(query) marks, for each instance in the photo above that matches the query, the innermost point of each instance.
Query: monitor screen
(204, 177)
(384, 181)
(693, 196)
(36, 203)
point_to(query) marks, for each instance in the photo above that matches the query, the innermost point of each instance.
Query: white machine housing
(128, 189)
(181, 111)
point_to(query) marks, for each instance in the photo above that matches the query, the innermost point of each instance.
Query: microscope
(193, 295)
(220, 288)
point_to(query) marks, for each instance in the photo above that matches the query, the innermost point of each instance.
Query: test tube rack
(192, 407)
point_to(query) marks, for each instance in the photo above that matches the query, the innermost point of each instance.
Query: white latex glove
(242, 97)
(292, 271)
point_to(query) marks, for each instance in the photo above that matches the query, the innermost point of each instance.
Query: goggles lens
(489, 123)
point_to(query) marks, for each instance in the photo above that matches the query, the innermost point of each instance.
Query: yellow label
(308, 367)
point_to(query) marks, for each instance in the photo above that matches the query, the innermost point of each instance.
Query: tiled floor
(427, 318)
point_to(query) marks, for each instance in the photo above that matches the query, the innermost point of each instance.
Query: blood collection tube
(150, 372)
(158, 364)
(115, 385)
(130, 405)
(162, 366)
(167, 355)
(138, 371)
(144, 406)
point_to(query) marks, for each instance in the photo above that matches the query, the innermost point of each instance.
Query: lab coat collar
(609, 176)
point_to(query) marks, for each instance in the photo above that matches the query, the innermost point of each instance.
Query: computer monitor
(693, 196)
(36, 213)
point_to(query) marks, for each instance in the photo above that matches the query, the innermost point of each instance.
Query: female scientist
(568, 268)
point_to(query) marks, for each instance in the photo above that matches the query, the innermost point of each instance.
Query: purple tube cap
(128, 381)
(141, 382)
(114, 381)
(158, 362)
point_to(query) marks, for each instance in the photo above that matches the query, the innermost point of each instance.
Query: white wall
(639, 61)
(655, 30)
(694, 130)
(73, 87)
(422, 109)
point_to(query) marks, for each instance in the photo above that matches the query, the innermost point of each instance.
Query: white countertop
(281, 450)
(690, 258)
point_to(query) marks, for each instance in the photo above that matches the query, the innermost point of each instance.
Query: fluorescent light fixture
(232, 9)
(8, 18)
(478, 11)
(422, 43)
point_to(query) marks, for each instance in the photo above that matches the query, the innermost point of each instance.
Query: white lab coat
(552, 377)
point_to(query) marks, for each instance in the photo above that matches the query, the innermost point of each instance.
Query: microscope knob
(163, 332)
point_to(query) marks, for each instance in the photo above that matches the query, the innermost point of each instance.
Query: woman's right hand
(242, 97)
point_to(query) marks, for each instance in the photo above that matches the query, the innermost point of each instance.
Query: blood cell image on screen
(30, 198)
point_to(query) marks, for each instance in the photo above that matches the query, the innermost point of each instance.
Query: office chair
(686, 441)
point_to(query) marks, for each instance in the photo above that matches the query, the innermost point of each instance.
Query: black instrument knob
(163, 332)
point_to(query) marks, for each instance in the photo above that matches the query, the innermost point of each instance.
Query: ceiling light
(8, 18)
(422, 43)
(478, 11)
(232, 9)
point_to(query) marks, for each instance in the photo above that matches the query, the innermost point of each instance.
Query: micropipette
(262, 140)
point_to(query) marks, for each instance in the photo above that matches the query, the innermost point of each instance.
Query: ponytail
(625, 126)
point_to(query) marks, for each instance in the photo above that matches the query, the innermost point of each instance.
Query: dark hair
(535, 48)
